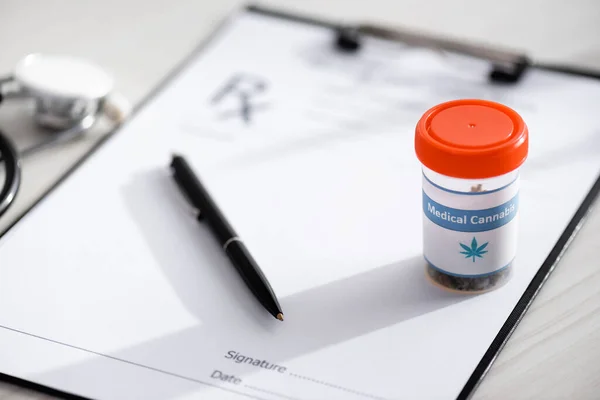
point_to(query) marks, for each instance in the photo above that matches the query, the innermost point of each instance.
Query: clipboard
(505, 68)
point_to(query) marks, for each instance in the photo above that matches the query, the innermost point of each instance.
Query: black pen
(228, 239)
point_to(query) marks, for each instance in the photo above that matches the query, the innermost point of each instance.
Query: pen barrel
(218, 225)
(199, 197)
(253, 276)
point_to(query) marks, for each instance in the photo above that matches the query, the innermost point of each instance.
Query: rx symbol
(240, 91)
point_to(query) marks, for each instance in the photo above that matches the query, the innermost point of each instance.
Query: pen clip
(196, 212)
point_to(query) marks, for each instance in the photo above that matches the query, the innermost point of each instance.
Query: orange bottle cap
(471, 139)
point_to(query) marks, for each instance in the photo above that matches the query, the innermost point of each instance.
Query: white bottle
(471, 151)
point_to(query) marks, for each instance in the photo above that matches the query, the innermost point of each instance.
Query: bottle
(470, 151)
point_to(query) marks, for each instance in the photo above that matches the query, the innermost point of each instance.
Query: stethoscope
(70, 95)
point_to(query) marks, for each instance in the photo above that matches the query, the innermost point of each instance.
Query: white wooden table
(555, 350)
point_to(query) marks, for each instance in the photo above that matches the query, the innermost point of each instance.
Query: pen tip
(280, 316)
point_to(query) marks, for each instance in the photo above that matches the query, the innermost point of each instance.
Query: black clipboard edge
(514, 318)
(569, 70)
(290, 16)
(25, 384)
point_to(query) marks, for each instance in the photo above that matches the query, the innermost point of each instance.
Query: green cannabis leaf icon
(474, 251)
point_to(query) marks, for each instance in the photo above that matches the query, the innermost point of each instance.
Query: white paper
(110, 289)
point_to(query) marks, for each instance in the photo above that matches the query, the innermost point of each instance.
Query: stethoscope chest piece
(69, 96)
(65, 89)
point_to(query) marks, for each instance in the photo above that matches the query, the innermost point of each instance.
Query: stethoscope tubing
(12, 181)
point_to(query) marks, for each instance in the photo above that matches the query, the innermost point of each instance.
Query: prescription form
(309, 153)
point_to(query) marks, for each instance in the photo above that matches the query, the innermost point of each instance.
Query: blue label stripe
(470, 220)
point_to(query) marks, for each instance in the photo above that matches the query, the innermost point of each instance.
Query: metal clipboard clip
(507, 66)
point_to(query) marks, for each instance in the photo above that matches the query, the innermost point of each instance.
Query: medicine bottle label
(470, 234)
